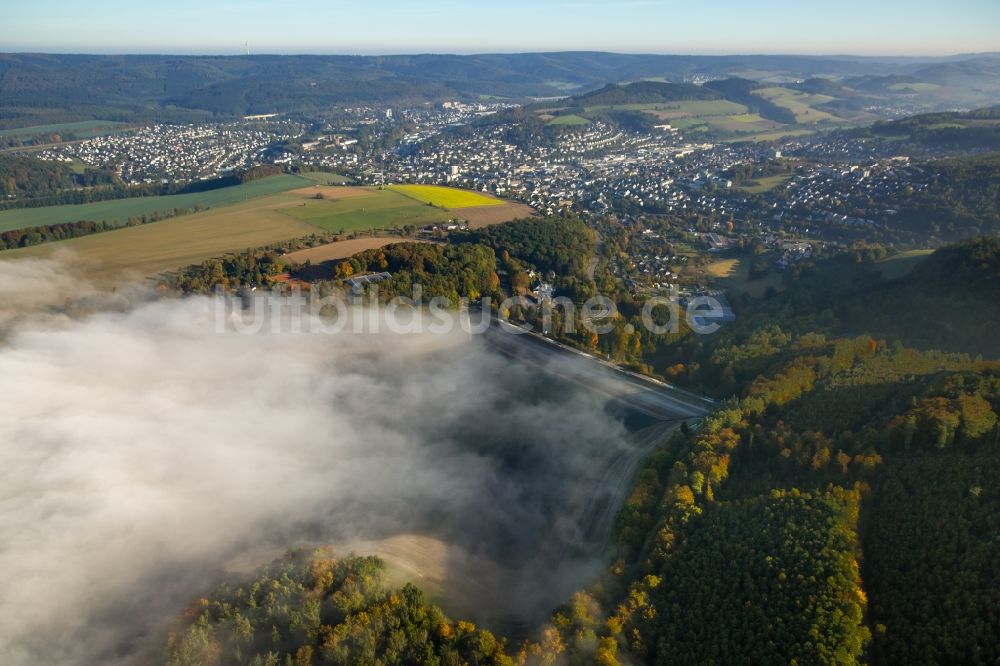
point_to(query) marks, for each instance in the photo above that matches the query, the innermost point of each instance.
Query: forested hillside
(966, 131)
(839, 506)
(747, 526)
(26, 177)
(42, 89)
(644, 92)
(452, 272)
(962, 199)
(315, 608)
(563, 245)
(950, 301)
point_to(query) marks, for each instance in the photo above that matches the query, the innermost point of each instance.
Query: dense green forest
(972, 130)
(795, 586)
(823, 420)
(250, 268)
(929, 556)
(643, 92)
(961, 200)
(315, 608)
(562, 245)
(453, 272)
(27, 177)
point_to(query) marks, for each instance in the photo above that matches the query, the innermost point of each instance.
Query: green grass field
(744, 122)
(735, 278)
(569, 120)
(378, 209)
(710, 107)
(900, 265)
(697, 107)
(254, 216)
(688, 123)
(127, 254)
(761, 185)
(446, 197)
(799, 103)
(122, 209)
(76, 128)
(694, 115)
(918, 87)
(324, 178)
(769, 136)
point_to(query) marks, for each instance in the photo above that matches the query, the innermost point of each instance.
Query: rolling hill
(46, 88)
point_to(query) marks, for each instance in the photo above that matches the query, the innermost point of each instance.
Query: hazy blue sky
(453, 26)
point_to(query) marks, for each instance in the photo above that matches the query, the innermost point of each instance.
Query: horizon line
(376, 54)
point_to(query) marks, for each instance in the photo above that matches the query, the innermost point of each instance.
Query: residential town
(815, 189)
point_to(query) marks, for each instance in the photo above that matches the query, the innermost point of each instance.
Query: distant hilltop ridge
(169, 87)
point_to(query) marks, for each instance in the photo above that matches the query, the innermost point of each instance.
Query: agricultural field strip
(122, 209)
(83, 125)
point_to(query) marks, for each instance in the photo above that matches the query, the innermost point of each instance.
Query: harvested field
(333, 193)
(344, 249)
(483, 216)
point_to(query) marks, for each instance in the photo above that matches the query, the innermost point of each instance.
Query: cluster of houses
(163, 153)
(793, 253)
(852, 195)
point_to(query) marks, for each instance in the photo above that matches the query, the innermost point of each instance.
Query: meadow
(569, 120)
(914, 87)
(722, 268)
(326, 178)
(800, 103)
(901, 264)
(83, 126)
(146, 250)
(260, 213)
(119, 210)
(770, 136)
(744, 123)
(766, 184)
(726, 120)
(364, 209)
(697, 107)
(734, 275)
(445, 197)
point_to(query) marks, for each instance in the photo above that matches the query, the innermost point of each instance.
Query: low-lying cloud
(141, 451)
